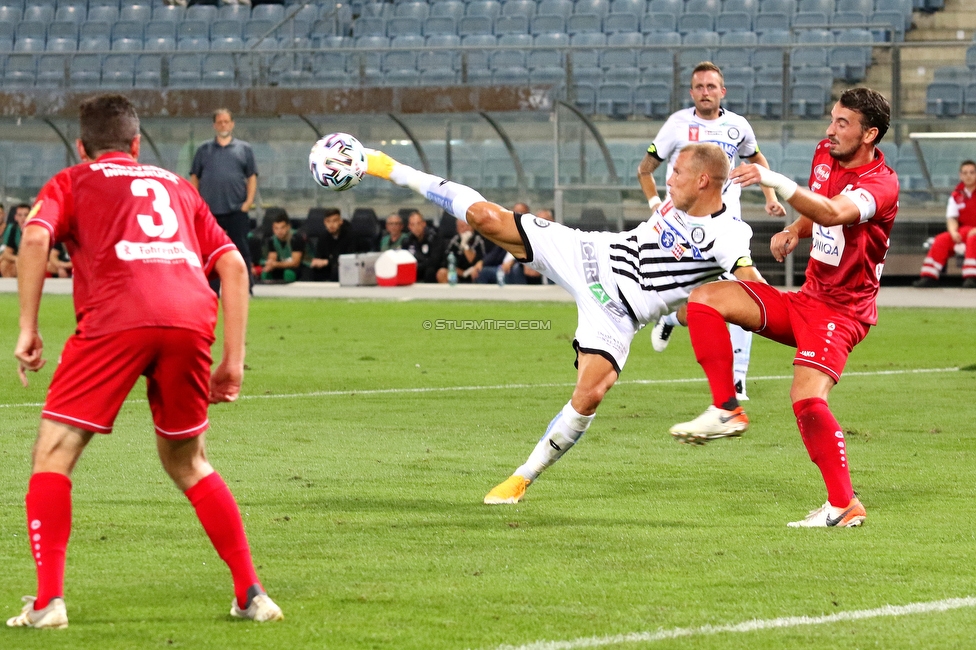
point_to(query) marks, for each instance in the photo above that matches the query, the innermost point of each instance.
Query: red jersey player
(960, 229)
(848, 211)
(142, 242)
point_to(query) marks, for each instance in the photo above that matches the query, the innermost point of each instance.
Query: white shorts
(579, 262)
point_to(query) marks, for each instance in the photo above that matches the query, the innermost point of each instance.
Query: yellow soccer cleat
(511, 490)
(379, 164)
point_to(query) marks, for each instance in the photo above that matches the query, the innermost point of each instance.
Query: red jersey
(962, 206)
(142, 242)
(846, 261)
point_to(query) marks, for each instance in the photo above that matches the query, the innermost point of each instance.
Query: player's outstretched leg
(563, 432)
(741, 351)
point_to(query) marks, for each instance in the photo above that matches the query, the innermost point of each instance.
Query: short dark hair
(22, 205)
(108, 123)
(328, 212)
(219, 111)
(967, 162)
(708, 66)
(281, 217)
(874, 109)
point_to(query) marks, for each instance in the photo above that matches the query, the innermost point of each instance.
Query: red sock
(48, 528)
(220, 517)
(713, 349)
(824, 440)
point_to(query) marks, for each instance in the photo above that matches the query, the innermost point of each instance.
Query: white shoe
(54, 616)
(261, 609)
(827, 516)
(661, 335)
(714, 423)
(740, 390)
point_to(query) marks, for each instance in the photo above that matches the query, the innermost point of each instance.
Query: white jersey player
(706, 121)
(620, 281)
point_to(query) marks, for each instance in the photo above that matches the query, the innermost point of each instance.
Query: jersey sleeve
(196, 168)
(213, 241)
(749, 146)
(53, 207)
(733, 245)
(250, 166)
(952, 208)
(664, 142)
(874, 195)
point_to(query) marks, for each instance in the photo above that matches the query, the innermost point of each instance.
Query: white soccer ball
(337, 161)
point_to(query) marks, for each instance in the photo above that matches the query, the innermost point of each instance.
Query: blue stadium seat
(371, 48)
(622, 74)
(547, 76)
(275, 13)
(138, 12)
(476, 59)
(511, 25)
(401, 78)
(695, 23)
(20, 71)
(39, 13)
(902, 7)
(615, 100)
(523, 41)
(128, 29)
(787, 7)
(373, 9)
(436, 58)
(598, 7)
(771, 58)
(490, 8)
(237, 12)
(666, 6)
(32, 29)
(735, 21)
(171, 13)
(555, 8)
(808, 99)
(193, 29)
(32, 45)
(698, 48)
(817, 6)
(887, 26)
(193, 44)
(766, 100)
(750, 7)
(502, 59)
(864, 6)
(126, 44)
(736, 97)
(843, 20)
(510, 77)
(62, 29)
(545, 24)
(765, 22)
(118, 70)
(635, 7)
(226, 43)
(742, 75)
(411, 9)
(85, 70)
(363, 26)
(95, 37)
(710, 7)
(159, 43)
(538, 58)
(160, 29)
(398, 60)
(584, 24)
(218, 71)
(580, 54)
(226, 28)
(742, 55)
(148, 71)
(51, 71)
(519, 8)
(944, 98)
(850, 62)
(104, 13)
(653, 100)
(969, 93)
(811, 19)
(475, 26)
(621, 22)
(438, 78)
(402, 26)
(622, 58)
(65, 44)
(10, 13)
(184, 70)
(439, 25)
(205, 13)
(322, 28)
(658, 21)
(450, 9)
(408, 41)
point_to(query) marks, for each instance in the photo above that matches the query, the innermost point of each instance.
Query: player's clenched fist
(29, 351)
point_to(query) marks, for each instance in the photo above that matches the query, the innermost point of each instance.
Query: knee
(587, 399)
(483, 217)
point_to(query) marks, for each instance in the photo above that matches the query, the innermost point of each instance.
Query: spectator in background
(283, 252)
(960, 229)
(336, 241)
(11, 240)
(428, 249)
(395, 238)
(58, 262)
(468, 248)
(226, 176)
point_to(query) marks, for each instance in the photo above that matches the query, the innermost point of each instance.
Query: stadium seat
(171, 13)
(184, 70)
(741, 55)
(118, 70)
(787, 7)
(218, 71)
(104, 13)
(850, 62)
(148, 71)
(697, 48)
(501, 59)
(969, 93)
(944, 98)
(845, 20)
(439, 26)
(368, 57)
(272, 12)
(750, 7)
(544, 24)
(11, 14)
(373, 9)
(770, 58)
(32, 45)
(438, 78)
(562, 8)
(810, 19)
(138, 12)
(476, 59)
(766, 100)
(193, 44)
(126, 44)
(584, 24)
(398, 60)
(615, 99)
(598, 7)
(511, 25)
(38, 13)
(192, 29)
(816, 6)
(674, 7)
(475, 26)
(411, 9)
(621, 22)
(438, 59)
(887, 26)
(401, 78)
(620, 57)
(808, 99)
(710, 7)
(402, 26)
(238, 12)
(32, 29)
(63, 29)
(539, 58)
(695, 23)
(453, 9)
(65, 45)
(226, 43)
(765, 22)
(902, 7)
(547, 76)
(653, 100)
(85, 70)
(485, 8)
(364, 26)
(20, 71)
(510, 77)
(52, 71)
(580, 54)
(226, 28)
(736, 21)
(736, 97)
(634, 7)
(658, 22)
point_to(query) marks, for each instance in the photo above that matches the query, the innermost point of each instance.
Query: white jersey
(730, 131)
(658, 263)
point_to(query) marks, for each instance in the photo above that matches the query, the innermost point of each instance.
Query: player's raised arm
(31, 267)
(645, 176)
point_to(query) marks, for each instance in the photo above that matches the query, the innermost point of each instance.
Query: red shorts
(823, 338)
(94, 376)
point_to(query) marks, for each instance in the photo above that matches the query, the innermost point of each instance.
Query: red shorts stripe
(823, 337)
(95, 375)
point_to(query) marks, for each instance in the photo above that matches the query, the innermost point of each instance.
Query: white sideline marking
(451, 389)
(749, 626)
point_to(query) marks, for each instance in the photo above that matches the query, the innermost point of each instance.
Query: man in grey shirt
(225, 174)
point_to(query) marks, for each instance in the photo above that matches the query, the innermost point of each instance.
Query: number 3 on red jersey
(161, 206)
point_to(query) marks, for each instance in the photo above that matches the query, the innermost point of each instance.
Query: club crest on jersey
(693, 133)
(733, 133)
(541, 223)
(698, 234)
(821, 172)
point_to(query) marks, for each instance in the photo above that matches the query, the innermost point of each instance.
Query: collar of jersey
(114, 155)
(721, 112)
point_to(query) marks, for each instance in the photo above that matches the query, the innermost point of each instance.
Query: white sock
(672, 319)
(447, 195)
(563, 432)
(741, 351)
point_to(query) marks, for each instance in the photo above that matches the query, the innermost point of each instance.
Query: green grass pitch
(364, 508)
